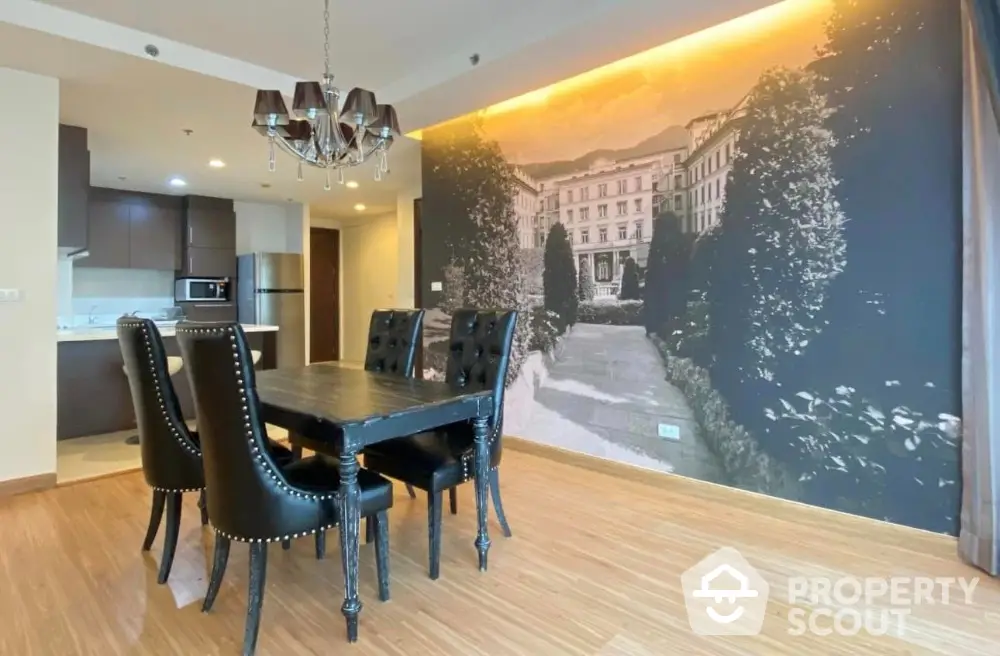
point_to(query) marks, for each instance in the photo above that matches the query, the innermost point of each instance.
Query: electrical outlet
(436, 286)
(10, 295)
(669, 431)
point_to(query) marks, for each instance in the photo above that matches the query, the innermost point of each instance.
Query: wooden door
(109, 235)
(324, 295)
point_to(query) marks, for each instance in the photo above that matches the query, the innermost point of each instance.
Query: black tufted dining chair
(393, 337)
(479, 348)
(171, 454)
(251, 497)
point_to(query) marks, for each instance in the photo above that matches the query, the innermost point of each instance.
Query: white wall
(369, 263)
(268, 227)
(110, 293)
(29, 188)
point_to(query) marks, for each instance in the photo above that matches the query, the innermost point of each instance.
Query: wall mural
(737, 256)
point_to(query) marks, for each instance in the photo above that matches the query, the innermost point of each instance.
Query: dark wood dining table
(339, 410)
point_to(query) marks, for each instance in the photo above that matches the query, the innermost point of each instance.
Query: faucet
(91, 319)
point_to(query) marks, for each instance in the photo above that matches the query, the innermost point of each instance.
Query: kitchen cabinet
(210, 222)
(132, 230)
(109, 235)
(209, 312)
(74, 187)
(209, 238)
(153, 231)
(209, 263)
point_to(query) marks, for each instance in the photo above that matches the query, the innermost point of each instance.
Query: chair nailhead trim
(282, 538)
(178, 489)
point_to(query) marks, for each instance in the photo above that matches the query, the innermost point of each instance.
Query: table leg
(481, 432)
(350, 527)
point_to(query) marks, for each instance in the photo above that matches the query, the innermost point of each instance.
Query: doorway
(324, 295)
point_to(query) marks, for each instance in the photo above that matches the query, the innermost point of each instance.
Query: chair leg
(453, 500)
(203, 507)
(296, 453)
(218, 571)
(369, 529)
(381, 521)
(497, 503)
(155, 515)
(321, 544)
(255, 597)
(434, 532)
(411, 491)
(170, 542)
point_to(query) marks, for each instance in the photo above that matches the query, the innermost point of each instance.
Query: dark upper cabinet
(74, 185)
(209, 238)
(132, 230)
(209, 263)
(109, 235)
(153, 234)
(209, 222)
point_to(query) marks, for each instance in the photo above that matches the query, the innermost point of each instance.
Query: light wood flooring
(593, 568)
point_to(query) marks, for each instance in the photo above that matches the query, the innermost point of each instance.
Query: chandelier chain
(326, 36)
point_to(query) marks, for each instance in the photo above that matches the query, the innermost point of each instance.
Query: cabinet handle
(190, 264)
(213, 305)
(190, 236)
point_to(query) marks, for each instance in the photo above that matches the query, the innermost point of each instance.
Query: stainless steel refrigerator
(270, 290)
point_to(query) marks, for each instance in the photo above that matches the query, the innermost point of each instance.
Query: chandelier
(320, 133)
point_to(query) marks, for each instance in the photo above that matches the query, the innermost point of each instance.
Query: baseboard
(671, 481)
(35, 483)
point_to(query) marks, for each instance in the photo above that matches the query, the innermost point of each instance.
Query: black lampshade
(309, 99)
(360, 102)
(386, 120)
(270, 104)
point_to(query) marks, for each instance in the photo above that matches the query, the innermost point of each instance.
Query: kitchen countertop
(167, 329)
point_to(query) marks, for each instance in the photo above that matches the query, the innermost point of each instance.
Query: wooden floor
(593, 568)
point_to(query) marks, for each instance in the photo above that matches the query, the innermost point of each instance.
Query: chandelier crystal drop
(321, 133)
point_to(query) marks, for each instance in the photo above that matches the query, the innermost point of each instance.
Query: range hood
(73, 253)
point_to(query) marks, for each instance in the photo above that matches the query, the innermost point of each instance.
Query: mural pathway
(606, 395)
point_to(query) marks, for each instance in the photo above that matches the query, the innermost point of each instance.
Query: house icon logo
(725, 595)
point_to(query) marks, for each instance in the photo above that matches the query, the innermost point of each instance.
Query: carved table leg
(481, 431)
(350, 527)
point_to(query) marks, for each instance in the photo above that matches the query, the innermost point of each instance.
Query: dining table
(339, 410)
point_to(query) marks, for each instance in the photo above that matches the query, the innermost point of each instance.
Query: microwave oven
(201, 290)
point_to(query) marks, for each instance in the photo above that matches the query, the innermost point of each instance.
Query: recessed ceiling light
(216, 163)
(359, 207)
(352, 184)
(177, 182)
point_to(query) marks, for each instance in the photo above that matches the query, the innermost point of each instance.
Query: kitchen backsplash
(103, 295)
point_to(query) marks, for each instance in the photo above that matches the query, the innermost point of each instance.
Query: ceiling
(215, 54)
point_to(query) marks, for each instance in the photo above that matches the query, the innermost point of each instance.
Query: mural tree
(665, 298)
(471, 194)
(559, 277)
(892, 69)
(782, 241)
(630, 281)
(586, 288)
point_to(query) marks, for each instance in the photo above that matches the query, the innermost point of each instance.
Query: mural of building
(526, 208)
(713, 146)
